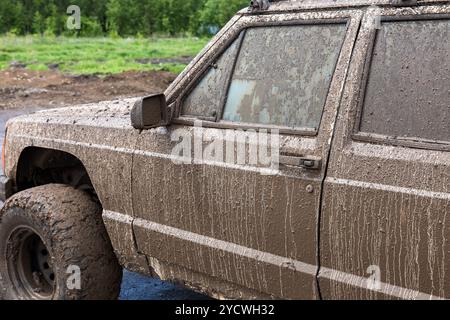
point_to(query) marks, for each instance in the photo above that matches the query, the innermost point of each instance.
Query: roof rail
(259, 4)
(400, 3)
(286, 5)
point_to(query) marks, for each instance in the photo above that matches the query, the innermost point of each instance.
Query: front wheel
(54, 246)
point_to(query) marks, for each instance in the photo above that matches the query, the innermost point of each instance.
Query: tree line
(117, 17)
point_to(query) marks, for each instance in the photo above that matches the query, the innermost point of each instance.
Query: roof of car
(294, 5)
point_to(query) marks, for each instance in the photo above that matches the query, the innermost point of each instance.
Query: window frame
(261, 22)
(204, 72)
(409, 142)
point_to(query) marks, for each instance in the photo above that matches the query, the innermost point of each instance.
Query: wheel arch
(39, 166)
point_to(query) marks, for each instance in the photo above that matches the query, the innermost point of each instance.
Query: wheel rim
(30, 265)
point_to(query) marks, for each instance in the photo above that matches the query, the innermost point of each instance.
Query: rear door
(385, 227)
(234, 201)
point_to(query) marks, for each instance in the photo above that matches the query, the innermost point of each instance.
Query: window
(205, 99)
(408, 87)
(283, 74)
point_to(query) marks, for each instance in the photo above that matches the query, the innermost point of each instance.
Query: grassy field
(98, 55)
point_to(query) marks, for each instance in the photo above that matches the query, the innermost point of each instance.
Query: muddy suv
(350, 102)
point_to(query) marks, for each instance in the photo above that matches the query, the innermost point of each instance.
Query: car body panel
(101, 137)
(231, 222)
(386, 204)
(234, 233)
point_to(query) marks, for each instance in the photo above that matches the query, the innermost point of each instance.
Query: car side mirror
(150, 112)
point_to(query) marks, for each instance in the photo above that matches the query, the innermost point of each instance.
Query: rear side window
(283, 74)
(408, 88)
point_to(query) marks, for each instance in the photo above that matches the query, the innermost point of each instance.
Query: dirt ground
(21, 88)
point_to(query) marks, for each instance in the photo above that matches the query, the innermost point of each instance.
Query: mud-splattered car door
(228, 197)
(386, 217)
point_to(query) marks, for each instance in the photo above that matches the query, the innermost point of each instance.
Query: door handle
(310, 163)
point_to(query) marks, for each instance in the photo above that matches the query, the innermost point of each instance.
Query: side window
(205, 99)
(408, 87)
(283, 75)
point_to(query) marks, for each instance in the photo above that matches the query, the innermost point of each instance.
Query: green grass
(83, 56)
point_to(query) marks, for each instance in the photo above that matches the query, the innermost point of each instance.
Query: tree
(53, 21)
(217, 13)
(38, 23)
(10, 15)
(122, 17)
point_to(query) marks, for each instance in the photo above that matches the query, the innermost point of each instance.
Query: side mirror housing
(150, 112)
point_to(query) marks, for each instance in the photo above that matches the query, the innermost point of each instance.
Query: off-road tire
(69, 224)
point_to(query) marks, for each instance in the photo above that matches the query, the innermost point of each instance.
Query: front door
(231, 198)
